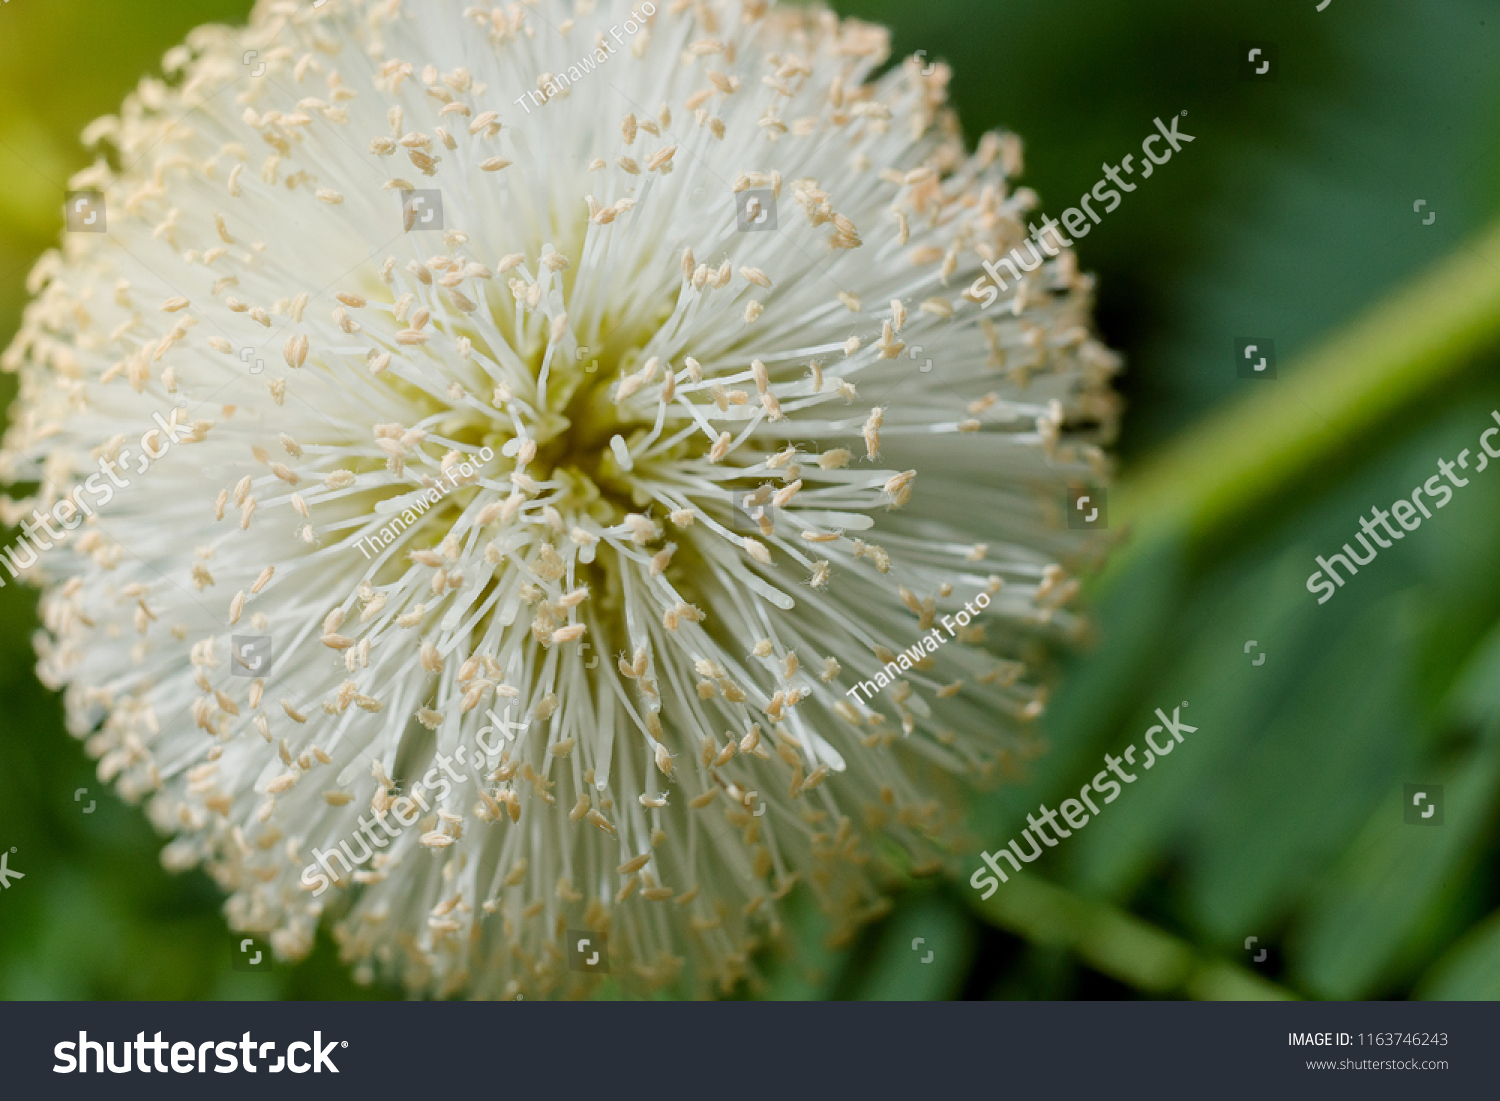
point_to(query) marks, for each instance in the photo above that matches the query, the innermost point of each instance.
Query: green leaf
(1470, 970)
(1362, 928)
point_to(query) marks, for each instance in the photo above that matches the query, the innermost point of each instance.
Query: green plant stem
(1118, 944)
(1241, 455)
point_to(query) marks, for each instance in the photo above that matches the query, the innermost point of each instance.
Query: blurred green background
(1290, 217)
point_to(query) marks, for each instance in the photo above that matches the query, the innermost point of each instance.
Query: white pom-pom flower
(524, 429)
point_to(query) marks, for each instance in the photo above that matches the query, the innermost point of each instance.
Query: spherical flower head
(552, 467)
